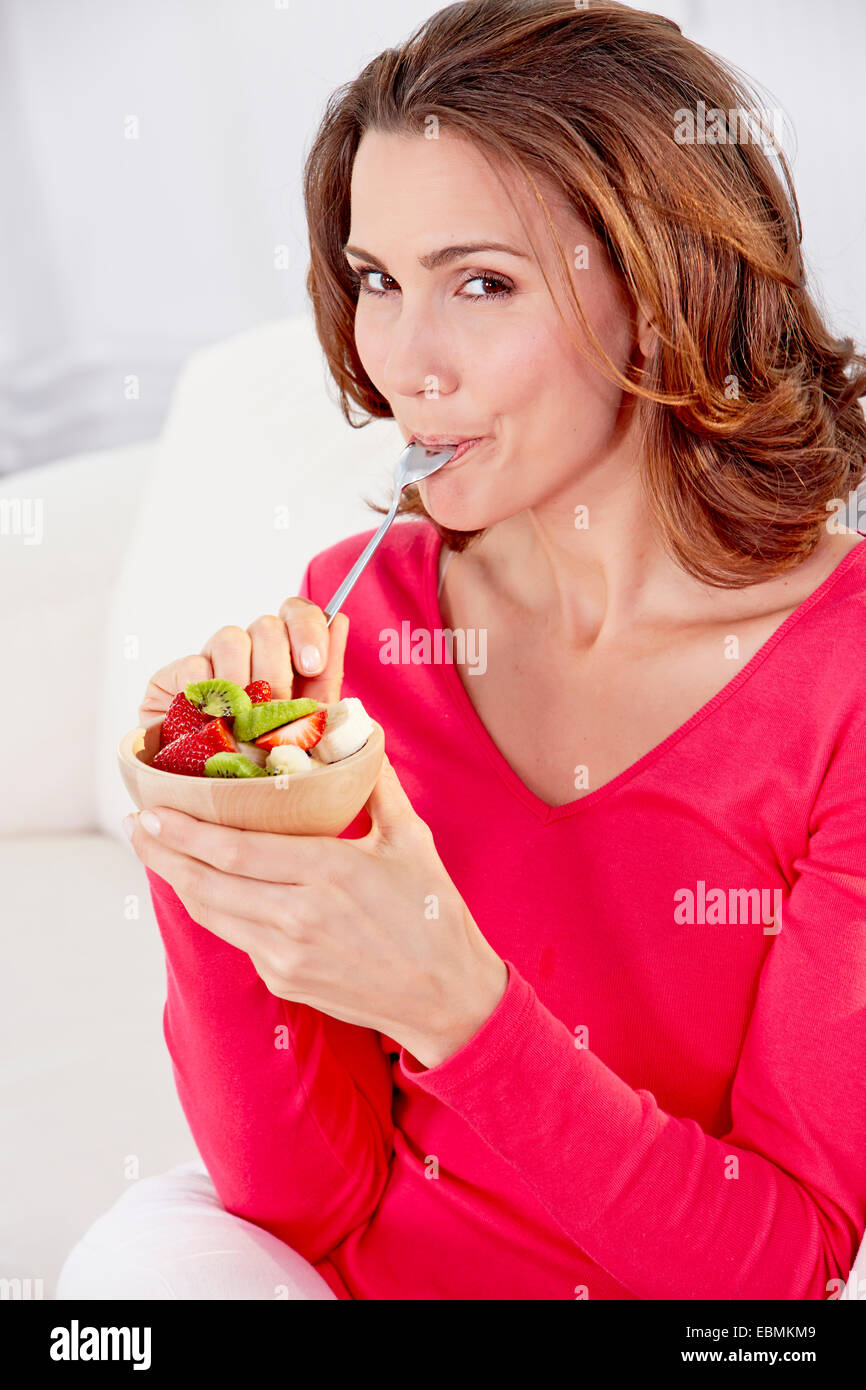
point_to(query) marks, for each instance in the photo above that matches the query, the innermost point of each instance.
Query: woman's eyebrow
(445, 253)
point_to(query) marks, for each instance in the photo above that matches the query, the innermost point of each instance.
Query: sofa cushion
(86, 1089)
(65, 526)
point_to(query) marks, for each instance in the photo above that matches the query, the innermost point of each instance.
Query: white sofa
(145, 551)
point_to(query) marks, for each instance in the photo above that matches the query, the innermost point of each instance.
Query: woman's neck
(594, 586)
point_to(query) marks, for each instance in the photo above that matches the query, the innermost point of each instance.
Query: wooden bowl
(323, 801)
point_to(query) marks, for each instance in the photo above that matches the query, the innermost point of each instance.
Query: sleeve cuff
(509, 1019)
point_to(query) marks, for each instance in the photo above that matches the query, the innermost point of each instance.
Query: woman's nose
(418, 358)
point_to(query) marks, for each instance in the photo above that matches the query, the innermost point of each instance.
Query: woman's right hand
(273, 648)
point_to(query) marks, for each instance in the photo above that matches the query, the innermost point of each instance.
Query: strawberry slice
(300, 733)
(259, 692)
(181, 717)
(189, 753)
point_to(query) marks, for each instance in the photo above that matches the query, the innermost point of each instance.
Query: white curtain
(150, 160)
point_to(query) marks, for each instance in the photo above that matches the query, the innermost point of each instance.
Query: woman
(568, 1012)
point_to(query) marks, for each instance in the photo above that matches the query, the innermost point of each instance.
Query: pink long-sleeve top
(668, 1102)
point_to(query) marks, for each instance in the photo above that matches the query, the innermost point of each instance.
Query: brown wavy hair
(705, 236)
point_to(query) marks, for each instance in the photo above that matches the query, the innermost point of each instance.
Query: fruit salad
(215, 728)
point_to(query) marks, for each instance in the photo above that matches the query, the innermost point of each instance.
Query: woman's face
(474, 346)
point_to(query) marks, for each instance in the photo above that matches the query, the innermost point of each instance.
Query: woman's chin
(457, 518)
(455, 513)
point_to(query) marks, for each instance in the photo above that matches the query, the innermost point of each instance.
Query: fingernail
(129, 826)
(150, 822)
(311, 658)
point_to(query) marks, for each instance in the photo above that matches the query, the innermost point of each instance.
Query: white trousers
(169, 1237)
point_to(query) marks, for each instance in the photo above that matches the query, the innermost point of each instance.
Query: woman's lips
(459, 452)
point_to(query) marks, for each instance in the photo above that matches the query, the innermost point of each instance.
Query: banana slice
(347, 729)
(287, 758)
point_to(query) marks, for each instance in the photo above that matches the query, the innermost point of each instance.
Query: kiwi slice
(260, 719)
(218, 697)
(232, 765)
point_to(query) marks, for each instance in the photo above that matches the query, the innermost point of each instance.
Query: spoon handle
(333, 606)
(416, 462)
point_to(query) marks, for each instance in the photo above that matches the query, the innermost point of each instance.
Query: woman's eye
(383, 288)
(357, 277)
(501, 287)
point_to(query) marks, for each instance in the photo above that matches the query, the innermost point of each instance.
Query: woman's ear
(646, 334)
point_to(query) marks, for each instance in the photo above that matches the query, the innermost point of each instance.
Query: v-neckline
(543, 809)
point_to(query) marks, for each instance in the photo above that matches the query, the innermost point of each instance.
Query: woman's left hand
(371, 931)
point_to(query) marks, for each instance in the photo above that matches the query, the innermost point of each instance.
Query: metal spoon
(414, 464)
